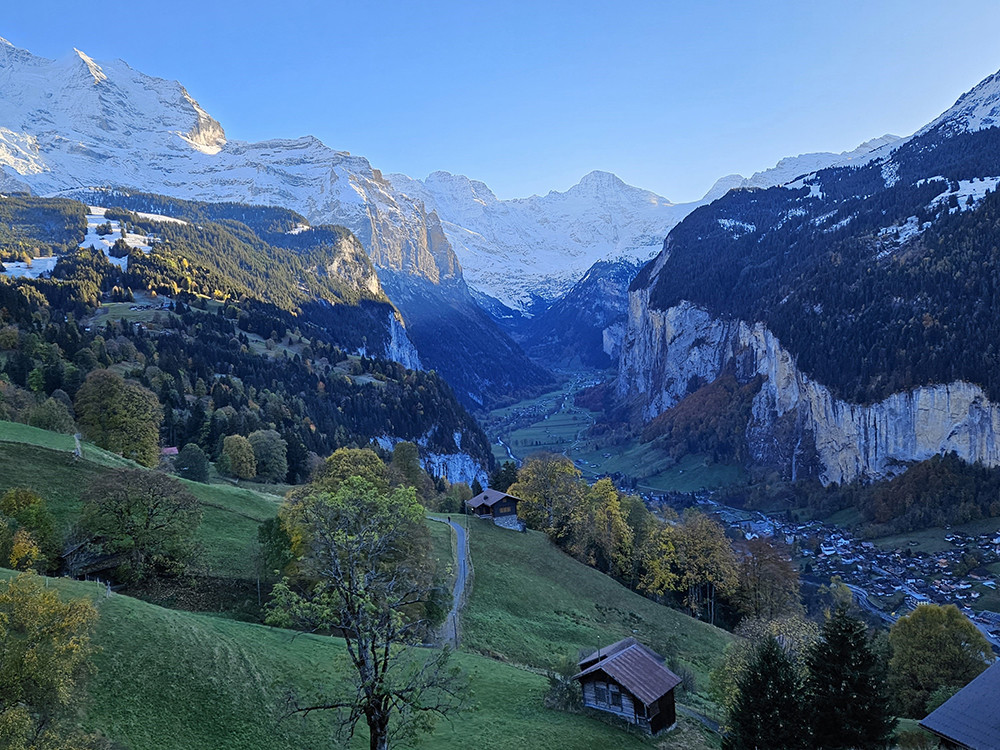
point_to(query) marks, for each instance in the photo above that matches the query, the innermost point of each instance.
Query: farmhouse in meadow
(628, 680)
(499, 506)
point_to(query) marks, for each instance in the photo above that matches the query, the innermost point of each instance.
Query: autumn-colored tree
(599, 534)
(238, 457)
(33, 527)
(768, 582)
(44, 651)
(932, 647)
(145, 518)
(120, 416)
(344, 463)
(364, 571)
(661, 573)
(549, 487)
(705, 561)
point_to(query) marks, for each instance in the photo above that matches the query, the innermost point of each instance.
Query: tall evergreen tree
(846, 688)
(768, 711)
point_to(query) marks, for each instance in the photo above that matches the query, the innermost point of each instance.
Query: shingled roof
(490, 498)
(970, 717)
(635, 667)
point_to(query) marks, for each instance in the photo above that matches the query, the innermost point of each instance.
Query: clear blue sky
(530, 96)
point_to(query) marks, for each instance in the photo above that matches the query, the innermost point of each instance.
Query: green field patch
(42, 461)
(932, 540)
(533, 604)
(175, 680)
(553, 423)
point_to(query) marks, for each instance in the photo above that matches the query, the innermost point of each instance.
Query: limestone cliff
(797, 425)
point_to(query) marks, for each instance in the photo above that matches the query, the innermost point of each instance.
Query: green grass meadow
(533, 604)
(43, 462)
(180, 681)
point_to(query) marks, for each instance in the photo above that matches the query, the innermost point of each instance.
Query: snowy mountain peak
(601, 179)
(95, 70)
(792, 167)
(977, 109)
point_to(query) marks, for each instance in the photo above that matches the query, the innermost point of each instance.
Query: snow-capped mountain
(520, 249)
(977, 109)
(75, 122)
(792, 167)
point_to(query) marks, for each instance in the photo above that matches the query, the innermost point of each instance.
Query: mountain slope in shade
(584, 326)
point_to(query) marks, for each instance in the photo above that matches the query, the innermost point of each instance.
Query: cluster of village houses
(886, 582)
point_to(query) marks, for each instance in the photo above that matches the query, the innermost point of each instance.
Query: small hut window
(616, 696)
(601, 693)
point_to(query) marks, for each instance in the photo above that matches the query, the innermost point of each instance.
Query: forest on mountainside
(220, 359)
(867, 312)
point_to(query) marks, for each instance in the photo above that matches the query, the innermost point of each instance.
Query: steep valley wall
(797, 425)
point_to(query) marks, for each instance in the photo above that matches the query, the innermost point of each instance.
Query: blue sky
(530, 96)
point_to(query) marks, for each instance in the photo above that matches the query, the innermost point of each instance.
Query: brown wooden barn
(630, 681)
(499, 506)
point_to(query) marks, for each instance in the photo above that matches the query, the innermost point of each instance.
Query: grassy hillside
(43, 461)
(175, 681)
(533, 604)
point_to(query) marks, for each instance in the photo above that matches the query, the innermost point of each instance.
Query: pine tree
(768, 714)
(846, 688)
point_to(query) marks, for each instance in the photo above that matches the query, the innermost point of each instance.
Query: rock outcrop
(797, 425)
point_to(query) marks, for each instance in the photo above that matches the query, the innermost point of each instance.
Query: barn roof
(490, 498)
(637, 669)
(614, 648)
(970, 718)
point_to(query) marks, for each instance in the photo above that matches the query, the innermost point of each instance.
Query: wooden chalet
(493, 504)
(969, 719)
(628, 680)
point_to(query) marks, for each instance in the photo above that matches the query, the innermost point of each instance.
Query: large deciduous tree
(192, 463)
(847, 688)
(271, 455)
(120, 416)
(549, 487)
(238, 457)
(600, 534)
(933, 647)
(768, 582)
(364, 571)
(145, 518)
(706, 562)
(44, 647)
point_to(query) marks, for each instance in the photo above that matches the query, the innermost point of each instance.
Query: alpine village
(300, 453)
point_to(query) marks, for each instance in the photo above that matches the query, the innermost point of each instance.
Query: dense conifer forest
(867, 312)
(238, 347)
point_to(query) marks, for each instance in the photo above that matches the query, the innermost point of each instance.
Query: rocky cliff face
(797, 426)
